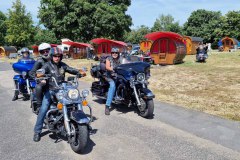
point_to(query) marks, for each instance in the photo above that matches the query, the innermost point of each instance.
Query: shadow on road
(58, 138)
(120, 107)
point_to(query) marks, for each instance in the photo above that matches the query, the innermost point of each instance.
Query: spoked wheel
(79, 139)
(146, 109)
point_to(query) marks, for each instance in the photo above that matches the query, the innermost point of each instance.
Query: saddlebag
(96, 71)
(97, 88)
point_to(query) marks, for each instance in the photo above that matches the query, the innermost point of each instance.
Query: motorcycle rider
(202, 48)
(43, 49)
(55, 68)
(25, 55)
(111, 63)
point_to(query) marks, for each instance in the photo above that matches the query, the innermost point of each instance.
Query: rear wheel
(80, 140)
(146, 109)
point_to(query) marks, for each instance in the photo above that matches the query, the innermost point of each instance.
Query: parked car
(135, 50)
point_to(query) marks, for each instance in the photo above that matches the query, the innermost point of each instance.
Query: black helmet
(25, 50)
(114, 50)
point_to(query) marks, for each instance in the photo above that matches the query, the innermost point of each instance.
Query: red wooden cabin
(77, 50)
(104, 46)
(167, 47)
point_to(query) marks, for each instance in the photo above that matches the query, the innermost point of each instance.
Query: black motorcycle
(66, 116)
(131, 85)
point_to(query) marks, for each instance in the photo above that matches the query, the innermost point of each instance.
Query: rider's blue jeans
(111, 91)
(43, 111)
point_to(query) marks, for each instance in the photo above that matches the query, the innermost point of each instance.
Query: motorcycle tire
(82, 139)
(149, 109)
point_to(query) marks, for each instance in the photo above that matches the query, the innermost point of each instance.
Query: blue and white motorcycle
(24, 85)
(66, 116)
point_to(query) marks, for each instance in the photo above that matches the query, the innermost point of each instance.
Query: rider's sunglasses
(114, 52)
(44, 51)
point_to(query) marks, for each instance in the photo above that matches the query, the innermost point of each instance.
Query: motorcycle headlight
(141, 77)
(85, 93)
(73, 94)
(24, 73)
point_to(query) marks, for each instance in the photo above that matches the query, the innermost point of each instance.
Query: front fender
(146, 93)
(79, 117)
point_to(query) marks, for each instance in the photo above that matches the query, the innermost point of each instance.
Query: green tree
(230, 24)
(166, 23)
(19, 24)
(136, 35)
(3, 28)
(204, 24)
(83, 20)
(44, 35)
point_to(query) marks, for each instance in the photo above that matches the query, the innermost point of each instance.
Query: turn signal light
(60, 106)
(84, 103)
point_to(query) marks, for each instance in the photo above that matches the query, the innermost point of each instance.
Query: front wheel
(146, 109)
(80, 140)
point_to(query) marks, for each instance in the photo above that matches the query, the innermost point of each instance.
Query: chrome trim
(28, 86)
(136, 95)
(66, 120)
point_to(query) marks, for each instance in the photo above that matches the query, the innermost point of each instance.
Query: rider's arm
(70, 69)
(36, 66)
(108, 65)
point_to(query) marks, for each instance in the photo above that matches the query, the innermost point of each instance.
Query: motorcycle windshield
(130, 69)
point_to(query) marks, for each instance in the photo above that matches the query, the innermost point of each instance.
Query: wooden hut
(167, 47)
(6, 50)
(104, 46)
(229, 43)
(145, 45)
(77, 50)
(192, 43)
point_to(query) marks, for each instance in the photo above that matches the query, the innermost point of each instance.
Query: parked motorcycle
(66, 115)
(24, 84)
(131, 85)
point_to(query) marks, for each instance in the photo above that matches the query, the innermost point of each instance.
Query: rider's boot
(25, 97)
(36, 137)
(107, 111)
(15, 97)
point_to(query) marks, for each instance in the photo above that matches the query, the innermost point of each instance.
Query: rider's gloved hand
(83, 73)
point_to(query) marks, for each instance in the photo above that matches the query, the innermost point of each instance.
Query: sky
(145, 12)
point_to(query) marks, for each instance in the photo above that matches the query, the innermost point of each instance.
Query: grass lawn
(212, 87)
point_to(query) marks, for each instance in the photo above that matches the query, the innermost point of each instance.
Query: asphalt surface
(173, 133)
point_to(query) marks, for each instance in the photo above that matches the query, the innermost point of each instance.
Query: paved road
(173, 133)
